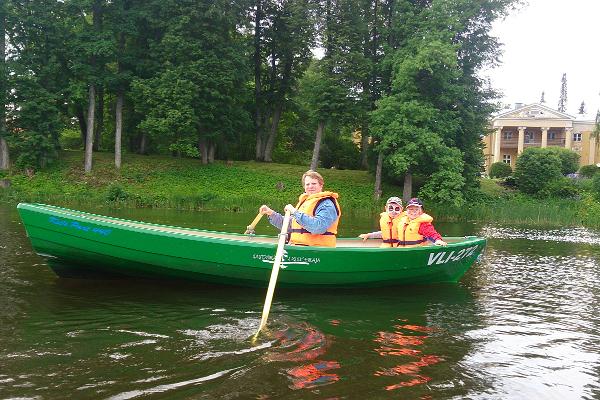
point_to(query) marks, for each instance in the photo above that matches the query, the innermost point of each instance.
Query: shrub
(535, 169)
(500, 170)
(564, 188)
(596, 186)
(588, 171)
(116, 193)
(70, 139)
(568, 158)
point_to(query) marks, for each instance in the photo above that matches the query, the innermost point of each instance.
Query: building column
(497, 138)
(544, 137)
(568, 138)
(592, 159)
(521, 142)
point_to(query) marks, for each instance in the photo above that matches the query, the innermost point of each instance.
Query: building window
(528, 137)
(506, 159)
(551, 135)
(507, 135)
(577, 137)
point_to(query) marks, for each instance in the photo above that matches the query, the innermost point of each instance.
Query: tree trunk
(364, 146)
(268, 155)
(89, 137)
(203, 148)
(407, 191)
(99, 119)
(315, 158)
(377, 191)
(143, 144)
(259, 146)
(97, 71)
(211, 152)
(118, 129)
(4, 155)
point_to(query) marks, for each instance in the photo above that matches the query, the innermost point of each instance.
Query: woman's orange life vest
(408, 230)
(389, 229)
(308, 204)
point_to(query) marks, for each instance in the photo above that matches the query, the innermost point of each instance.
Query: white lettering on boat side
(269, 258)
(444, 257)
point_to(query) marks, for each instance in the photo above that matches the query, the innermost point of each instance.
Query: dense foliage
(568, 158)
(237, 79)
(588, 171)
(536, 168)
(500, 170)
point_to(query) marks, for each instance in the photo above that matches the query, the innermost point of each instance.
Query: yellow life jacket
(389, 229)
(308, 204)
(408, 230)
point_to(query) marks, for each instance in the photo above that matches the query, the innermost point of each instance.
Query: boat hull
(77, 243)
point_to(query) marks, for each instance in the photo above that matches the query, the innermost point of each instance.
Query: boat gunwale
(203, 235)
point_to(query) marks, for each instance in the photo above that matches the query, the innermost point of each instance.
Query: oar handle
(250, 228)
(274, 272)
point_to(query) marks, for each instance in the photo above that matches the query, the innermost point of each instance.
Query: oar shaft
(250, 228)
(274, 272)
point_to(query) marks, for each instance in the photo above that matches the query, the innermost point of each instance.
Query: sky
(542, 40)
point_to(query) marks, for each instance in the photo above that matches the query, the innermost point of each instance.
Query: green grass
(184, 183)
(167, 182)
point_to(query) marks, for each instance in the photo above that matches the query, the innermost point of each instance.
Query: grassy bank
(166, 182)
(182, 183)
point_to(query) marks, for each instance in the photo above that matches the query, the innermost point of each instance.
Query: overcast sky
(543, 40)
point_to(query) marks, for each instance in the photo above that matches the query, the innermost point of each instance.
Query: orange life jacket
(308, 204)
(408, 230)
(389, 229)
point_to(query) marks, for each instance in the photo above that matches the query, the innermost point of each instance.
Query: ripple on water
(571, 235)
(538, 316)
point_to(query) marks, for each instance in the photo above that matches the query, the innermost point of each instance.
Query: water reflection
(523, 323)
(405, 342)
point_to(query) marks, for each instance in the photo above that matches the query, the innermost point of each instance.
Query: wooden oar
(250, 228)
(274, 272)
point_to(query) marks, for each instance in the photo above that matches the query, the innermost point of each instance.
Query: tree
(4, 153)
(535, 169)
(283, 37)
(500, 170)
(582, 108)
(562, 101)
(321, 96)
(542, 99)
(569, 159)
(196, 94)
(37, 66)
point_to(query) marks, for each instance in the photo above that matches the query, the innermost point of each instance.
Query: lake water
(522, 324)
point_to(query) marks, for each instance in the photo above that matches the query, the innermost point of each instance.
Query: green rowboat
(77, 243)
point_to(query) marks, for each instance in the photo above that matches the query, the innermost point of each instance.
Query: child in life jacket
(415, 228)
(388, 224)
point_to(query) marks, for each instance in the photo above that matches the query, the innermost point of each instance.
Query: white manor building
(536, 125)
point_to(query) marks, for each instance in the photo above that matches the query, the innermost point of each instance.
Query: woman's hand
(290, 208)
(364, 236)
(265, 210)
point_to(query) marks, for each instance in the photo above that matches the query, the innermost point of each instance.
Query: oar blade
(274, 272)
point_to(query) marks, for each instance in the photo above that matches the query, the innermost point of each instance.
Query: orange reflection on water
(300, 344)
(304, 343)
(313, 375)
(400, 344)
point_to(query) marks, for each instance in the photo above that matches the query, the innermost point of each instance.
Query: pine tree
(562, 102)
(582, 108)
(4, 155)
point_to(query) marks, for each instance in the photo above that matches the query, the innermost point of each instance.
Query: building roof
(534, 111)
